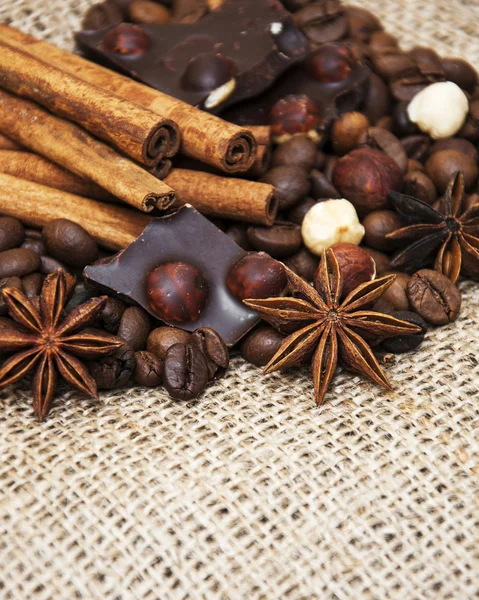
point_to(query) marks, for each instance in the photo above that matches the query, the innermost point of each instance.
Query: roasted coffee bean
(237, 233)
(381, 41)
(144, 12)
(299, 151)
(459, 144)
(406, 343)
(460, 72)
(322, 22)
(377, 104)
(402, 125)
(70, 243)
(134, 327)
(414, 165)
(259, 346)
(320, 160)
(12, 233)
(303, 263)
(214, 349)
(347, 130)
(384, 140)
(18, 262)
(103, 14)
(81, 293)
(48, 265)
(148, 369)
(185, 372)
(321, 187)
(37, 245)
(280, 240)
(383, 306)
(382, 261)
(385, 123)
(115, 370)
(361, 23)
(396, 294)
(329, 167)
(296, 215)
(292, 184)
(161, 339)
(8, 282)
(7, 323)
(377, 225)
(32, 285)
(442, 165)
(419, 185)
(470, 131)
(417, 146)
(434, 297)
(112, 314)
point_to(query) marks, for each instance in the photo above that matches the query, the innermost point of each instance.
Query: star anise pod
(49, 342)
(450, 236)
(321, 322)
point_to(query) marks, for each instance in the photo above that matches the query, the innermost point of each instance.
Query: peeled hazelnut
(330, 222)
(356, 265)
(347, 130)
(294, 114)
(126, 39)
(440, 109)
(365, 176)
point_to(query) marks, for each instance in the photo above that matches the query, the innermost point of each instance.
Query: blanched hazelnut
(331, 222)
(439, 110)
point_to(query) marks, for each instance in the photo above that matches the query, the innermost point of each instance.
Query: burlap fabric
(252, 492)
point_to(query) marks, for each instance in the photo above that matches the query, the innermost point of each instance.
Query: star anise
(321, 322)
(49, 342)
(450, 235)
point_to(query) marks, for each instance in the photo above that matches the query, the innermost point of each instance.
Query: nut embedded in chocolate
(293, 114)
(126, 39)
(256, 276)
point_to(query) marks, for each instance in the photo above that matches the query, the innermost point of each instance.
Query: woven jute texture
(252, 492)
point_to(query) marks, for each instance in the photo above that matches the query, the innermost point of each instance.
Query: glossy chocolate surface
(255, 41)
(188, 237)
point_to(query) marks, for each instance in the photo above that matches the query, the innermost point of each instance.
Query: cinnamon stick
(29, 166)
(262, 134)
(69, 146)
(205, 137)
(225, 197)
(8, 144)
(137, 132)
(114, 227)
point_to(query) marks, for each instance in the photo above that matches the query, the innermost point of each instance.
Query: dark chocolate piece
(184, 237)
(232, 54)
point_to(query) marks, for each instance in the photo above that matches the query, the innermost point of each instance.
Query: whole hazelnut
(176, 292)
(377, 225)
(330, 63)
(330, 222)
(291, 115)
(439, 109)
(146, 12)
(299, 151)
(356, 265)
(256, 275)
(365, 176)
(126, 39)
(292, 185)
(442, 165)
(347, 130)
(206, 72)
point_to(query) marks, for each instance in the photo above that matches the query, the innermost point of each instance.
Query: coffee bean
(442, 165)
(406, 343)
(145, 12)
(280, 240)
(419, 185)
(458, 144)
(18, 262)
(8, 282)
(460, 72)
(70, 243)
(377, 104)
(377, 225)
(112, 314)
(292, 184)
(296, 215)
(299, 151)
(237, 233)
(347, 131)
(434, 297)
(161, 339)
(7, 323)
(115, 370)
(148, 369)
(185, 372)
(402, 126)
(470, 131)
(382, 261)
(321, 187)
(32, 285)
(380, 41)
(303, 263)
(259, 346)
(322, 22)
(362, 23)
(48, 265)
(417, 146)
(12, 233)
(396, 294)
(134, 327)
(384, 140)
(214, 350)
(37, 245)
(81, 293)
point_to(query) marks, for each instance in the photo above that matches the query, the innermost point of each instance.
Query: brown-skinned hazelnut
(126, 39)
(356, 265)
(377, 225)
(146, 12)
(330, 63)
(365, 176)
(347, 130)
(294, 114)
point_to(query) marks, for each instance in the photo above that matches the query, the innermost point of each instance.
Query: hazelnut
(207, 72)
(442, 165)
(294, 114)
(377, 225)
(365, 176)
(347, 130)
(356, 265)
(330, 222)
(146, 12)
(440, 109)
(126, 39)
(330, 63)
(256, 276)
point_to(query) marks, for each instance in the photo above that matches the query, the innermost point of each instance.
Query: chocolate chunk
(182, 237)
(230, 55)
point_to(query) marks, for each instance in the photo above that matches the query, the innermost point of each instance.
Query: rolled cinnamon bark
(8, 144)
(205, 137)
(70, 147)
(262, 134)
(114, 227)
(137, 132)
(29, 166)
(225, 197)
